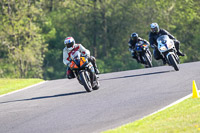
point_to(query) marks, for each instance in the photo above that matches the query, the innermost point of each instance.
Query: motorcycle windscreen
(162, 39)
(140, 45)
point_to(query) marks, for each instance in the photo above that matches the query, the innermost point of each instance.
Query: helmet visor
(154, 30)
(69, 45)
(134, 38)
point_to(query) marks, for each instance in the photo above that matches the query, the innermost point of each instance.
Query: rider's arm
(84, 51)
(65, 57)
(167, 33)
(151, 41)
(145, 41)
(130, 47)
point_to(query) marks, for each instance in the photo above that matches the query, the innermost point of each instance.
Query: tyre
(148, 60)
(173, 62)
(177, 59)
(86, 82)
(96, 87)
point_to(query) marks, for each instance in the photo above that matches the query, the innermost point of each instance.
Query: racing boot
(177, 46)
(70, 74)
(179, 53)
(164, 61)
(138, 61)
(146, 66)
(96, 70)
(93, 61)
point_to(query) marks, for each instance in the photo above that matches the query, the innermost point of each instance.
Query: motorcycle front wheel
(86, 81)
(148, 60)
(173, 62)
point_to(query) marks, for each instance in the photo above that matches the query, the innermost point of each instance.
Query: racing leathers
(132, 44)
(84, 52)
(153, 43)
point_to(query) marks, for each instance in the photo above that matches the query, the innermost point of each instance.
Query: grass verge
(182, 117)
(9, 85)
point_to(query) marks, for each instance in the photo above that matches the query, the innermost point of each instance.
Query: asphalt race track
(63, 106)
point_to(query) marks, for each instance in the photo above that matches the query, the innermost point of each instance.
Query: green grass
(183, 117)
(9, 85)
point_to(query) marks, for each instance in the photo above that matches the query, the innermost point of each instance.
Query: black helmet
(134, 36)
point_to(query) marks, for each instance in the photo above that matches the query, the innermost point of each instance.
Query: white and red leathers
(79, 47)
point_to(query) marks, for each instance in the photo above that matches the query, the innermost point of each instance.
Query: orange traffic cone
(194, 90)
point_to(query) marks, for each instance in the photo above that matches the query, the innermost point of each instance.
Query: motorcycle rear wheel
(96, 87)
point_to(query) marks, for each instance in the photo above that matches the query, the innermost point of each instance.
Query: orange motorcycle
(84, 71)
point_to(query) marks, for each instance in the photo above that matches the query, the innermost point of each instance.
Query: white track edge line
(174, 103)
(23, 89)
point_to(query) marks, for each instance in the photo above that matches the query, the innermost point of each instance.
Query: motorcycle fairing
(73, 65)
(83, 62)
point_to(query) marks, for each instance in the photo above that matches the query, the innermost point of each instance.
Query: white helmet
(154, 28)
(69, 42)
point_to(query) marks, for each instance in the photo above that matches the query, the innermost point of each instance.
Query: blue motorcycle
(143, 53)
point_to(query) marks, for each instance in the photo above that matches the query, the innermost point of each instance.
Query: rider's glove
(68, 64)
(132, 51)
(85, 56)
(152, 46)
(133, 55)
(176, 41)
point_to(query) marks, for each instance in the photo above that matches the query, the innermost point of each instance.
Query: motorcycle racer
(154, 34)
(132, 42)
(71, 46)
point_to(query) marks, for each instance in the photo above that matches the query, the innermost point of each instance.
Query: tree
(102, 26)
(21, 38)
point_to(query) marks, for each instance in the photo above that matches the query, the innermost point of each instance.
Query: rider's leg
(69, 73)
(158, 56)
(177, 46)
(93, 61)
(134, 56)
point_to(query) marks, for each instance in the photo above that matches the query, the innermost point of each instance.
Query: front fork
(175, 56)
(89, 71)
(141, 56)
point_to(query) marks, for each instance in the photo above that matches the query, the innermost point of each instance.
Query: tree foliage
(32, 32)
(22, 43)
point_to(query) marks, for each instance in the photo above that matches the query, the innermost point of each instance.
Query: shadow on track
(137, 75)
(44, 97)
